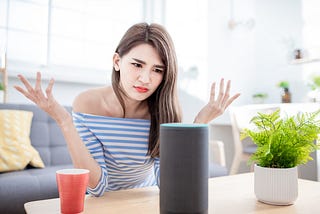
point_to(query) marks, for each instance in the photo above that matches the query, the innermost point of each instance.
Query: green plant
(283, 84)
(1, 87)
(315, 82)
(283, 142)
(260, 95)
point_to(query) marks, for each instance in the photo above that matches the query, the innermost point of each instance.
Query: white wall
(254, 59)
(278, 31)
(231, 52)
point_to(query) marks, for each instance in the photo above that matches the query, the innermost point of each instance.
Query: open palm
(216, 107)
(44, 101)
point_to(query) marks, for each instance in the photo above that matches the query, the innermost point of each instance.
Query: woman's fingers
(49, 90)
(26, 83)
(223, 96)
(226, 95)
(213, 92)
(38, 81)
(232, 99)
(25, 93)
(223, 100)
(216, 106)
(38, 89)
(221, 91)
(36, 94)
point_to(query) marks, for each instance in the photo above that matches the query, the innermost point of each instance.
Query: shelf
(304, 60)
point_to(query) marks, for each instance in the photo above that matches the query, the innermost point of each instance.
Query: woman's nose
(144, 76)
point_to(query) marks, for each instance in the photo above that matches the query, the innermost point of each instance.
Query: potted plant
(286, 95)
(259, 97)
(283, 84)
(283, 143)
(314, 84)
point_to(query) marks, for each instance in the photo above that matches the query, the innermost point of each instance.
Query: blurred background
(265, 47)
(255, 43)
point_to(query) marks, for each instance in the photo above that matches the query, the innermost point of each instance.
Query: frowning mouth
(141, 89)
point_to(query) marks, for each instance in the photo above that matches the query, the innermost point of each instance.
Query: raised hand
(216, 107)
(44, 101)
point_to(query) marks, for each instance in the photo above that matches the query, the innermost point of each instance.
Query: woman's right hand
(45, 101)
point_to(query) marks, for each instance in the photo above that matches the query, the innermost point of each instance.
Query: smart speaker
(183, 168)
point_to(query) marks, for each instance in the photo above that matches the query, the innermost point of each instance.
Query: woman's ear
(116, 62)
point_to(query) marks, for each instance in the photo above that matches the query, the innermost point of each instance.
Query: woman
(114, 130)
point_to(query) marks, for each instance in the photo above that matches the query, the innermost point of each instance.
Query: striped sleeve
(96, 150)
(157, 170)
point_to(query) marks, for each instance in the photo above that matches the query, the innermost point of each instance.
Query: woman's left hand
(216, 107)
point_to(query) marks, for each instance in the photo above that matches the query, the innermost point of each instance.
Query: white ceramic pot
(276, 186)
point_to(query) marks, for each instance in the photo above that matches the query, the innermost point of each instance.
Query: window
(74, 39)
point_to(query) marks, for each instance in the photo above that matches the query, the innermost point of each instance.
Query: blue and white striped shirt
(120, 146)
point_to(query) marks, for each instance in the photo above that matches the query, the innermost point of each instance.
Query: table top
(235, 194)
(227, 194)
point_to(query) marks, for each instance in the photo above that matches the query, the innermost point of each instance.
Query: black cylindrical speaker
(184, 168)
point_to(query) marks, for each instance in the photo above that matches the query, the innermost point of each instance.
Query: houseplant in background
(286, 95)
(314, 84)
(259, 98)
(283, 143)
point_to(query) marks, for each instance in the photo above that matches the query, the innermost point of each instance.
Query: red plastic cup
(72, 185)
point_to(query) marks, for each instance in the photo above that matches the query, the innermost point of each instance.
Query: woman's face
(141, 71)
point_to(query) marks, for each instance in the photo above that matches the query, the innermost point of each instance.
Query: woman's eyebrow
(143, 62)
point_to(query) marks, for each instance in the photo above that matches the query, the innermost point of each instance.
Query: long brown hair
(163, 103)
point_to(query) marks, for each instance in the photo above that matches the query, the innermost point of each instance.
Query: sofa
(21, 186)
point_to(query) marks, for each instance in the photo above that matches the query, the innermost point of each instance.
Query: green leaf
(283, 142)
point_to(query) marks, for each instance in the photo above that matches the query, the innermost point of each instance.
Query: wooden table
(229, 194)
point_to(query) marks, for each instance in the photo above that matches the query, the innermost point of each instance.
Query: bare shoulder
(92, 101)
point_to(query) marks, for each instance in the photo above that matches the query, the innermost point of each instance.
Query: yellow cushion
(16, 151)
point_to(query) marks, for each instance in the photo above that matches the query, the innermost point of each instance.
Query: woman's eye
(158, 70)
(137, 65)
